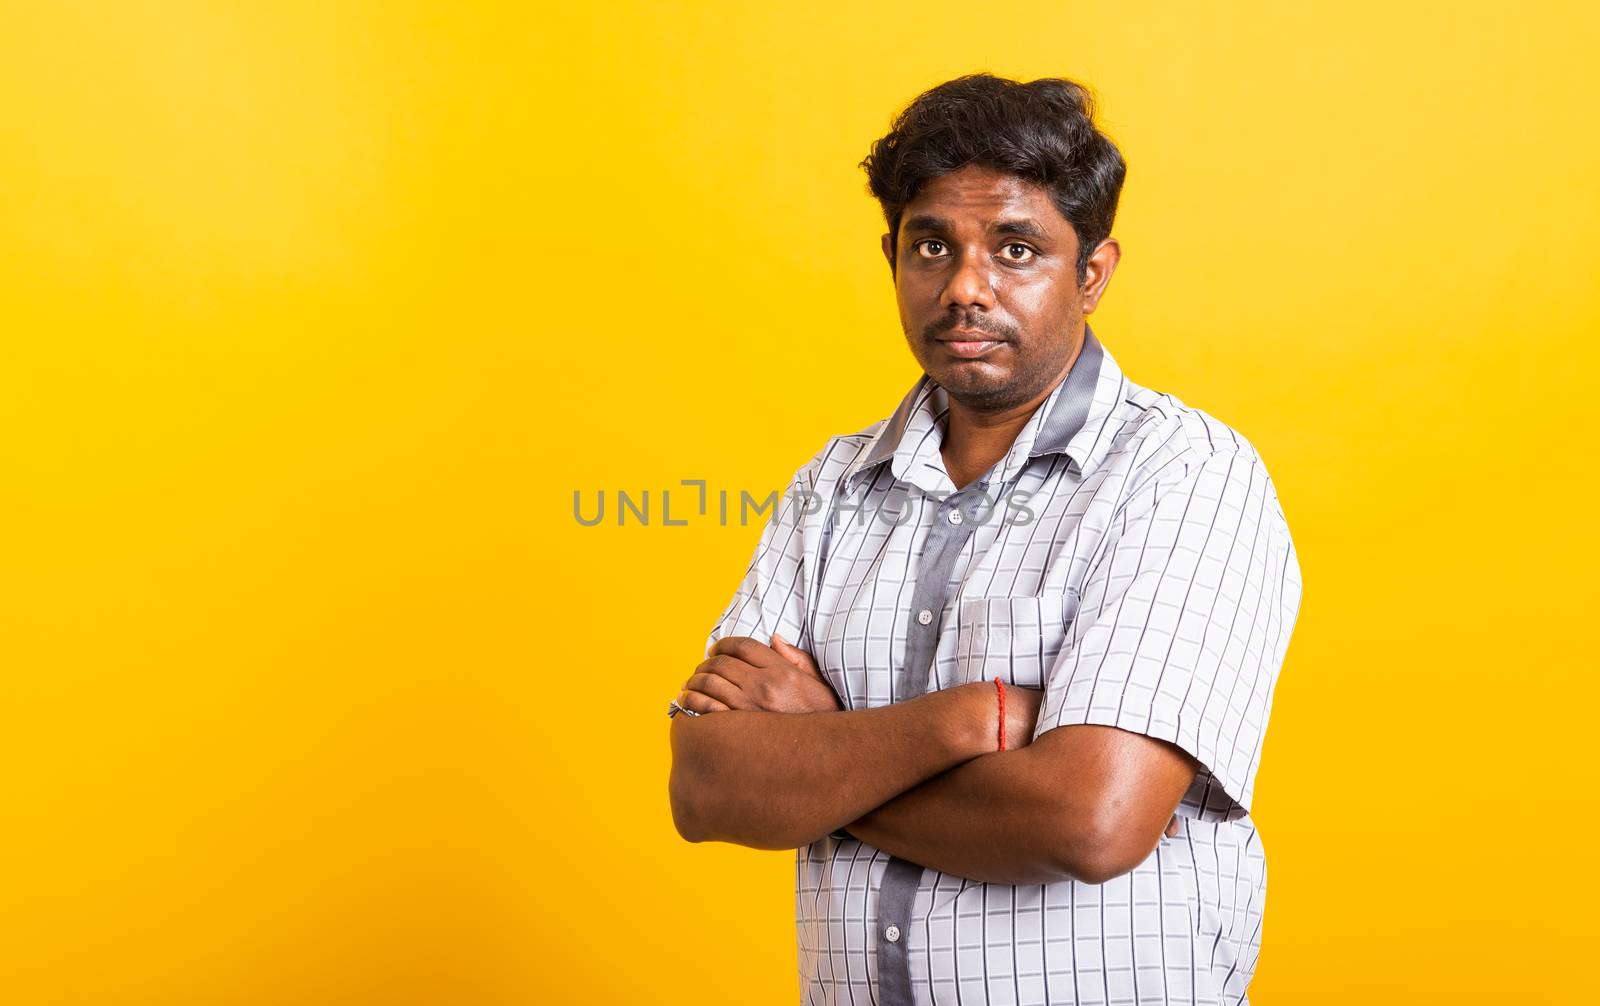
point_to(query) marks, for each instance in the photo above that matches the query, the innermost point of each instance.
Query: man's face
(985, 277)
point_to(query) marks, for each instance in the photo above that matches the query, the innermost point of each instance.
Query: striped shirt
(1129, 557)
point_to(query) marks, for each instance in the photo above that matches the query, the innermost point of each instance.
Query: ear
(1102, 263)
(888, 252)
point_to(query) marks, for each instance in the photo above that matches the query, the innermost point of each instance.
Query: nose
(969, 284)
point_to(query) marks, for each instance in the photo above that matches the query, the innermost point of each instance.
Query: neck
(976, 438)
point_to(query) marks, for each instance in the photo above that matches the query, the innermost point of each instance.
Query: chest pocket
(1015, 639)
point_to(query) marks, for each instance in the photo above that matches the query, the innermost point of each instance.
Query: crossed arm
(780, 764)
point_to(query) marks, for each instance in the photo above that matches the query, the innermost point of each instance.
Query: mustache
(951, 322)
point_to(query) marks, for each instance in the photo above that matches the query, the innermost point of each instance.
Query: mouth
(970, 344)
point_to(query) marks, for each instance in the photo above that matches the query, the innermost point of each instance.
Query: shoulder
(1174, 464)
(837, 456)
(1161, 443)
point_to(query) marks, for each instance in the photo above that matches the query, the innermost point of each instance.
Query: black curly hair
(1042, 131)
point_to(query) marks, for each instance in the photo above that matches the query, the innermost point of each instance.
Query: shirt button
(955, 516)
(892, 934)
(924, 617)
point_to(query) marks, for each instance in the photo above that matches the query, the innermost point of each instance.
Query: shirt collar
(1073, 416)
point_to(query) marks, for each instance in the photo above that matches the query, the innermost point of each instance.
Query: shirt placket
(953, 525)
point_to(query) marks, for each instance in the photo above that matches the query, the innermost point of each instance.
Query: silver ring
(674, 709)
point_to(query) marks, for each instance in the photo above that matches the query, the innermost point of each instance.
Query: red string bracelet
(1000, 687)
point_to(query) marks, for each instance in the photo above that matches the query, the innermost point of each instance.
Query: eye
(1024, 253)
(928, 242)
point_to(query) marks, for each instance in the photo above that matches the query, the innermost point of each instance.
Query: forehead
(981, 196)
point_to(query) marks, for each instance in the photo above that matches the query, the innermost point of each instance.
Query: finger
(732, 668)
(717, 687)
(795, 655)
(751, 651)
(699, 702)
(1173, 827)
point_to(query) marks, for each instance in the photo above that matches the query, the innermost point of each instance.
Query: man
(1116, 558)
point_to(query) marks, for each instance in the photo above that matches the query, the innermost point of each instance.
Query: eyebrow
(1021, 227)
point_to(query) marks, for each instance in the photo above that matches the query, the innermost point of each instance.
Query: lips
(969, 344)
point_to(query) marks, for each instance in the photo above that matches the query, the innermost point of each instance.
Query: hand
(742, 673)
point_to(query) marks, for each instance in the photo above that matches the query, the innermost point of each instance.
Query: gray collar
(1071, 409)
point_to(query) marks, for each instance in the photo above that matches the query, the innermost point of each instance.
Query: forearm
(999, 818)
(779, 780)
(1082, 802)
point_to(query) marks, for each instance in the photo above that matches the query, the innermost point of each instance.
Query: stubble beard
(997, 392)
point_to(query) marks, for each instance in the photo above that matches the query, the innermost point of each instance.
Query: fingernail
(780, 639)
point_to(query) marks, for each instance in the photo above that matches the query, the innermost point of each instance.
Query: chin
(986, 389)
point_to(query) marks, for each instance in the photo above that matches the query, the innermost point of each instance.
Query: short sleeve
(1184, 620)
(772, 595)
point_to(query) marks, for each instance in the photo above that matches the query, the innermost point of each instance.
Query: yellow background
(315, 315)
